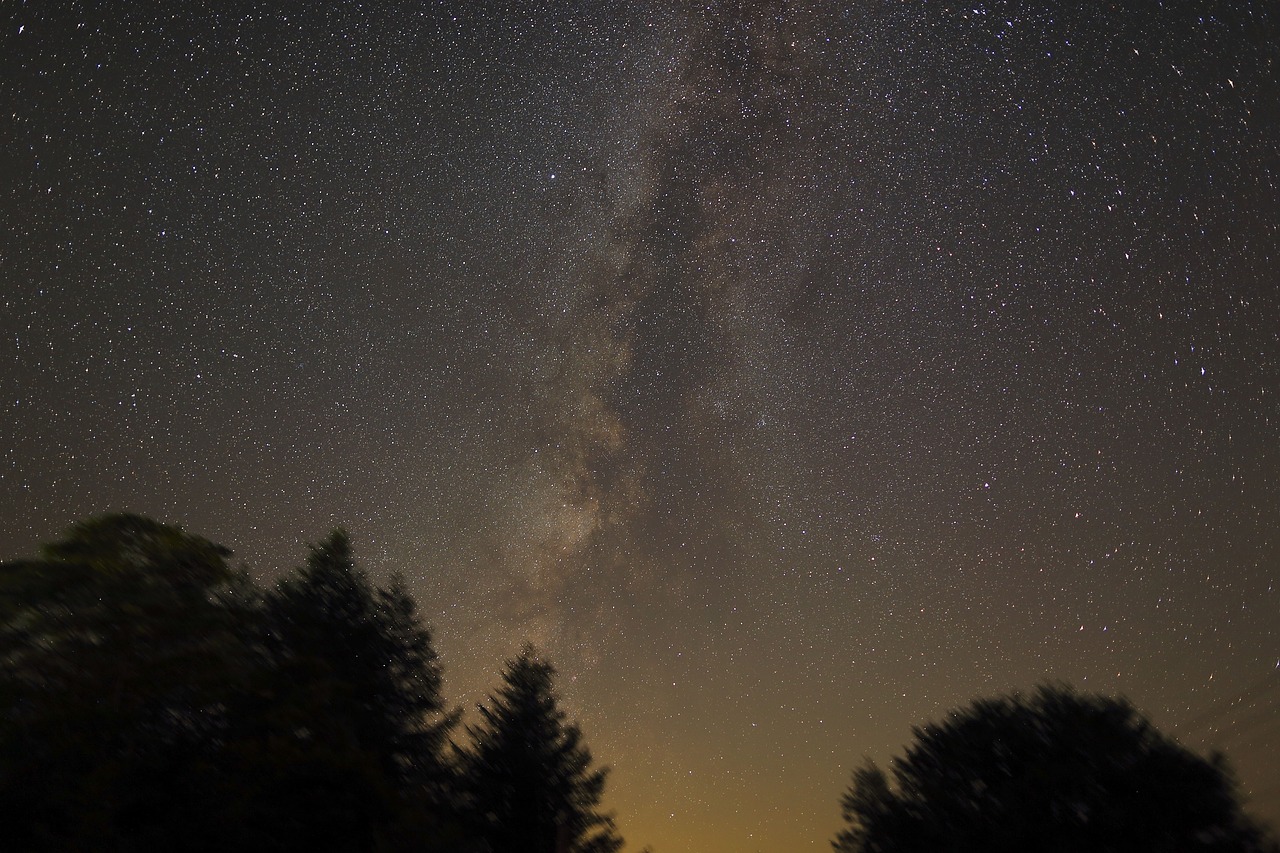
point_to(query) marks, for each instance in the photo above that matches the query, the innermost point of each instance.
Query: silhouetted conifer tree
(365, 656)
(528, 780)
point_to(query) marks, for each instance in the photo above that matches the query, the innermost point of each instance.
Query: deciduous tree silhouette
(528, 780)
(114, 654)
(1059, 772)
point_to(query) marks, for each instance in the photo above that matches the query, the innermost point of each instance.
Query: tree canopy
(528, 777)
(153, 698)
(116, 645)
(364, 647)
(1060, 772)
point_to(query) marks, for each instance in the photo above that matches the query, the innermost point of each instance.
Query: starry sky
(790, 371)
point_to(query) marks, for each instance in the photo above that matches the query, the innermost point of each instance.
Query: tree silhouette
(355, 686)
(1059, 772)
(115, 649)
(366, 647)
(152, 699)
(528, 780)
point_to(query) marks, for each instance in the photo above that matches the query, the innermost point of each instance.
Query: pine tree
(528, 780)
(358, 683)
(351, 724)
(414, 675)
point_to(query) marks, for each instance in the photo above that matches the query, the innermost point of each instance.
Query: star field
(792, 372)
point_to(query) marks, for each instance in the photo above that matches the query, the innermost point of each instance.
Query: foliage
(152, 698)
(364, 648)
(528, 780)
(1059, 772)
(114, 647)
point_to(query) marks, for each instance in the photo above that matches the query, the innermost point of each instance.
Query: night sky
(790, 372)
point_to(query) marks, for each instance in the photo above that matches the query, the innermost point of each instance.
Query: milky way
(792, 372)
(642, 396)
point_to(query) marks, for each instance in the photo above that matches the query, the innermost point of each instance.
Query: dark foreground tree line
(153, 698)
